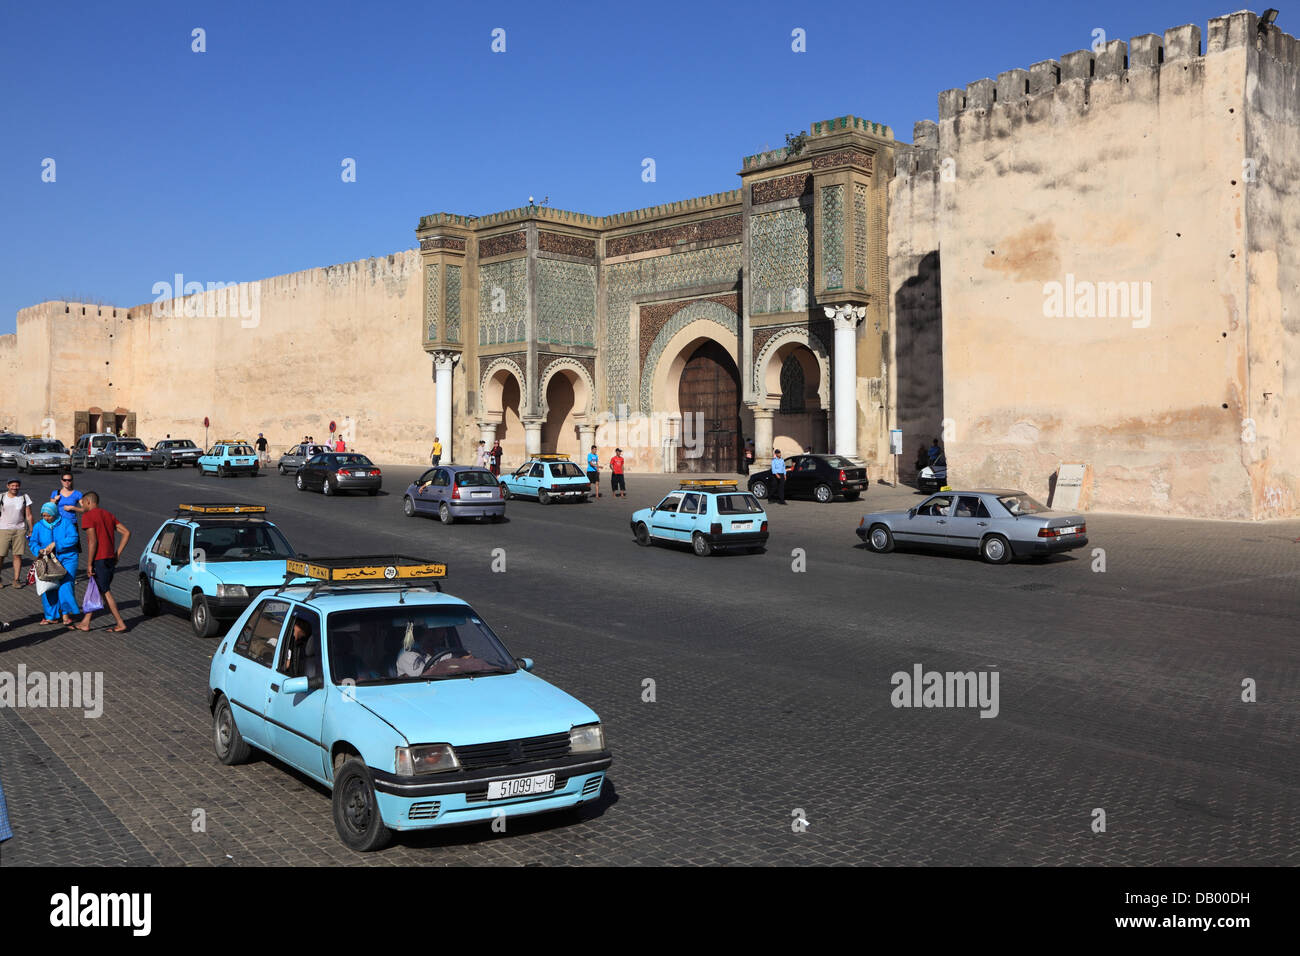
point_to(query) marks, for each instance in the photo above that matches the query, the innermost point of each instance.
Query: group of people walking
(57, 536)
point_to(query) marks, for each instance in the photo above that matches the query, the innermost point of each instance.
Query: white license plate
(1073, 529)
(521, 787)
(741, 525)
(480, 494)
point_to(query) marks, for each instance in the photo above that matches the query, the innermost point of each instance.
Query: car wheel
(326, 489)
(823, 493)
(758, 489)
(302, 485)
(701, 545)
(995, 550)
(229, 743)
(543, 496)
(642, 534)
(18, 467)
(201, 619)
(444, 514)
(880, 539)
(408, 507)
(505, 493)
(148, 600)
(356, 811)
(280, 468)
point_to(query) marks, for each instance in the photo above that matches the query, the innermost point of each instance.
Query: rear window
(131, 446)
(835, 461)
(738, 504)
(1021, 504)
(466, 478)
(352, 461)
(566, 469)
(240, 449)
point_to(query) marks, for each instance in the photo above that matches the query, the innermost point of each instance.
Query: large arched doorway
(708, 395)
(501, 400)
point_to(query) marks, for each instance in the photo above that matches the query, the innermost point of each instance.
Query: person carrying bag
(55, 542)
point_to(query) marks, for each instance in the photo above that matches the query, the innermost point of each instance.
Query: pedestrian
(616, 482)
(435, 453)
(482, 454)
(339, 444)
(496, 457)
(749, 455)
(57, 535)
(262, 456)
(935, 451)
(101, 528)
(593, 470)
(15, 524)
(777, 494)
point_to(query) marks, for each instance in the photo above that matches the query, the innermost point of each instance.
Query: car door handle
(982, 524)
(231, 666)
(941, 521)
(275, 688)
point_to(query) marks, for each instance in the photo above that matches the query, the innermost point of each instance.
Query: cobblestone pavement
(1119, 690)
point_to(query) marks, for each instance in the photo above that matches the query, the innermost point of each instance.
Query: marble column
(586, 438)
(444, 363)
(533, 436)
(762, 438)
(844, 373)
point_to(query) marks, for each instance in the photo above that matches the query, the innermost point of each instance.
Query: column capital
(444, 360)
(764, 413)
(846, 317)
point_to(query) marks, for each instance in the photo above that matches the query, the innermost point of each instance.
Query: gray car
(123, 454)
(42, 454)
(175, 452)
(297, 456)
(999, 524)
(455, 491)
(9, 445)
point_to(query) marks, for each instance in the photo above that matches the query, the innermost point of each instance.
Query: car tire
(824, 494)
(302, 485)
(408, 507)
(880, 539)
(758, 489)
(642, 534)
(229, 743)
(148, 600)
(280, 468)
(701, 545)
(505, 493)
(543, 496)
(444, 514)
(201, 619)
(995, 550)
(326, 490)
(18, 468)
(356, 811)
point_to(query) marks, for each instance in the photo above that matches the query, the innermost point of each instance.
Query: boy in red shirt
(101, 528)
(617, 482)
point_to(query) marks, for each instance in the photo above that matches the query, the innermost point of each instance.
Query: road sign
(333, 427)
(206, 423)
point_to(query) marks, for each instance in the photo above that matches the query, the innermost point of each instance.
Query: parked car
(933, 477)
(10, 443)
(42, 454)
(88, 447)
(350, 674)
(123, 454)
(227, 458)
(547, 478)
(297, 456)
(455, 491)
(823, 477)
(997, 524)
(211, 560)
(335, 472)
(175, 452)
(708, 514)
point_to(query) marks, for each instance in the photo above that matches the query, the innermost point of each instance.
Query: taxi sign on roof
(551, 458)
(231, 441)
(365, 567)
(705, 484)
(220, 508)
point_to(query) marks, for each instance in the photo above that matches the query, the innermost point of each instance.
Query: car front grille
(426, 810)
(592, 786)
(503, 753)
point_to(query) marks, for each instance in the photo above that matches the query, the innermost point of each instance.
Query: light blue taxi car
(229, 458)
(547, 478)
(212, 559)
(708, 514)
(360, 673)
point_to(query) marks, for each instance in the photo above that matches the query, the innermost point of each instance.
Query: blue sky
(225, 165)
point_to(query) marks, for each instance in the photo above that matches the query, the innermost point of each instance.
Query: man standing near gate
(777, 493)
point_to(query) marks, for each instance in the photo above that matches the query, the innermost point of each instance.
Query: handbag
(48, 568)
(31, 574)
(92, 601)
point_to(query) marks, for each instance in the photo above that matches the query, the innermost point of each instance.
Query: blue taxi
(229, 458)
(547, 478)
(360, 673)
(212, 559)
(708, 514)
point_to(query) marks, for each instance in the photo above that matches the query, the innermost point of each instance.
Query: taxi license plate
(741, 525)
(1073, 529)
(521, 787)
(481, 494)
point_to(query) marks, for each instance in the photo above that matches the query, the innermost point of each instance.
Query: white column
(443, 364)
(586, 438)
(533, 436)
(847, 318)
(762, 438)
(487, 433)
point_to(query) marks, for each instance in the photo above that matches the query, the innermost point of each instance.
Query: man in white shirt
(15, 524)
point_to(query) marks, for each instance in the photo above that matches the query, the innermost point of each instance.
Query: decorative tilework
(566, 302)
(566, 245)
(624, 282)
(780, 253)
(833, 236)
(850, 157)
(655, 317)
(453, 304)
(551, 364)
(787, 187)
(442, 242)
(724, 227)
(814, 335)
(860, 235)
(500, 245)
(432, 281)
(489, 365)
(688, 313)
(502, 302)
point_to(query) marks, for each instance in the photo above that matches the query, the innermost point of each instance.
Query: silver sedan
(998, 524)
(297, 456)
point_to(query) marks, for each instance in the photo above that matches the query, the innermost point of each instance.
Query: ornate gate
(709, 398)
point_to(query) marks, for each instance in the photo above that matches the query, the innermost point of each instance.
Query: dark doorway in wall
(709, 398)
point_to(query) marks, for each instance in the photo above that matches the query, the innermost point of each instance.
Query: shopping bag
(42, 585)
(92, 600)
(31, 574)
(48, 568)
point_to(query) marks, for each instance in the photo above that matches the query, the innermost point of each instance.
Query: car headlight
(231, 591)
(426, 758)
(587, 739)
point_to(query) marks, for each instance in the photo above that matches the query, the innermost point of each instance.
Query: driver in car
(435, 652)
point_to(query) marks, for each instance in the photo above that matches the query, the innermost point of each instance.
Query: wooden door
(709, 397)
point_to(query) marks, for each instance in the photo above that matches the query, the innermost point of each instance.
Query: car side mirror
(525, 662)
(295, 685)
(911, 512)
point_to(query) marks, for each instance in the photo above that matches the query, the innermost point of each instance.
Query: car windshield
(738, 504)
(241, 542)
(37, 447)
(565, 469)
(14, 442)
(1021, 504)
(407, 644)
(482, 478)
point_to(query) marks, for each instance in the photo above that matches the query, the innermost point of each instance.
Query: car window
(968, 506)
(476, 479)
(1021, 504)
(690, 504)
(241, 450)
(317, 460)
(242, 542)
(214, 450)
(807, 464)
(260, 635)
(166, 541)
(836, 461)
(300, 656)
(740, 503)
(565, 469)
(441, 480)
(379, 645)
(940, 505)
(671, 503)
(536, 471)
(425, 478)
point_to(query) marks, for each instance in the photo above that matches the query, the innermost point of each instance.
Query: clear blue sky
(225, 165)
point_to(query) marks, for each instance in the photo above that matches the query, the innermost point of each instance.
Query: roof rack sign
(551, 458)
(705, 483)
(220, 508)
(369, 567)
